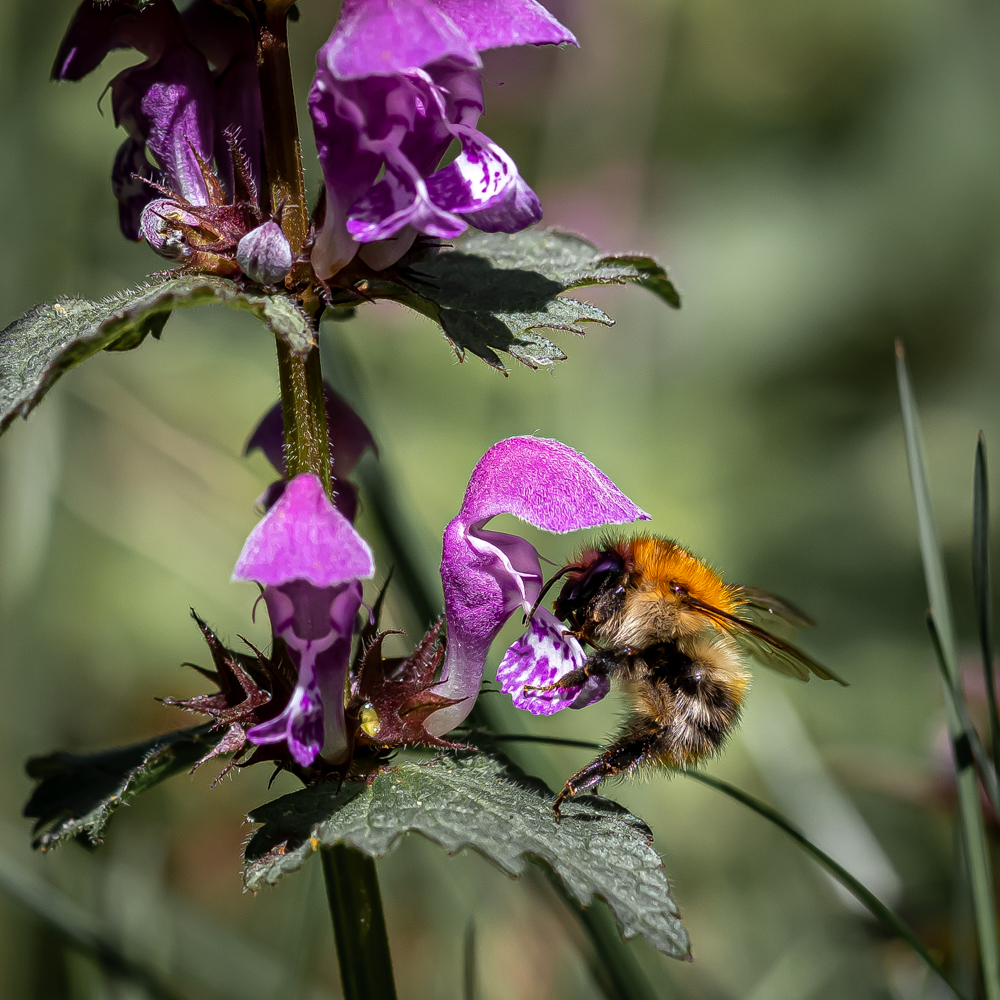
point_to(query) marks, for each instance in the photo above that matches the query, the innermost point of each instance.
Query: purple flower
(487, 575)
(310, 560)
(396, 83)
(172, 104)
(349, 439)
(538, 659)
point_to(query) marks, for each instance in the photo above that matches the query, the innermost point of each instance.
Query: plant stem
(351, 880)
(281, 130)
(302, 403)
(307, 442)
(358, 924)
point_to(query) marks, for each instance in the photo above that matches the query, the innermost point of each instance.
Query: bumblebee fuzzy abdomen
(694, 709)
(686, 700)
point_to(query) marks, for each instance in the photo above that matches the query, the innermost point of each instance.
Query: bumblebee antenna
(545, 589)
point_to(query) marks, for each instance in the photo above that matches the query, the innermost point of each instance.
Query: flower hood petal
(494, 24)
(304, 537)
(381, 37)
(547, 484)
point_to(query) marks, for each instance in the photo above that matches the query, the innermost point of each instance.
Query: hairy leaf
(50, 339)
(483, 802)
(489, 291)
(77, 794)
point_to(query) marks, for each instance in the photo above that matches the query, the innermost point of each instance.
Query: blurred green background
(821, 178)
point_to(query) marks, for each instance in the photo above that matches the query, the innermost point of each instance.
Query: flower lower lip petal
(476, 179)
(540, 658)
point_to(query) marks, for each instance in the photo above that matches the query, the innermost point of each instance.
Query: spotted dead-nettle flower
(198, 203)
(396, 83)
(310, 561)
(488, 575)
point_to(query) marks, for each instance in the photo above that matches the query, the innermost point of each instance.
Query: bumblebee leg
(600, 664)
(621, 756)
(573, 679)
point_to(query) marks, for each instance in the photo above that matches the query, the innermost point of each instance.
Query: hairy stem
(351, 879)
(307, 442)
(281, 131)
(358, 924)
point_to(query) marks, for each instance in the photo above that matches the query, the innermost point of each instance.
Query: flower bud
(165, 225)
(264, 255)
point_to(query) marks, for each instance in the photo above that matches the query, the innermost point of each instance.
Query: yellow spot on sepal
(370, 722)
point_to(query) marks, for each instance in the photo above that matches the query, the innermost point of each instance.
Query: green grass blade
(865, 896)
(969, 741)
(970, 812)
(983, 587)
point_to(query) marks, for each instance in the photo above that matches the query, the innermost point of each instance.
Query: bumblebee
(667, 628)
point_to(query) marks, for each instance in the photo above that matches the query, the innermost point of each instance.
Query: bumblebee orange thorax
(663, 566)
(664, 579)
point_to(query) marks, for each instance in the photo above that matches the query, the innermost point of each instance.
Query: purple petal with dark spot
(539, 658)
(316, 625)
(518, 209)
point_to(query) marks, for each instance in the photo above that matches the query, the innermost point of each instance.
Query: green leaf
(966, 779)
(480, 801)
(490, 291)
(77, 794)
(50, 339)
(567, 260)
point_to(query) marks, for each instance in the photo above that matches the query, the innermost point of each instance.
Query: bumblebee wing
(769, 649)
(765, 606)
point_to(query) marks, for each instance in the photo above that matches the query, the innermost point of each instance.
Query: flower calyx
(391, 699)
(229, 238)
(251, 689)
